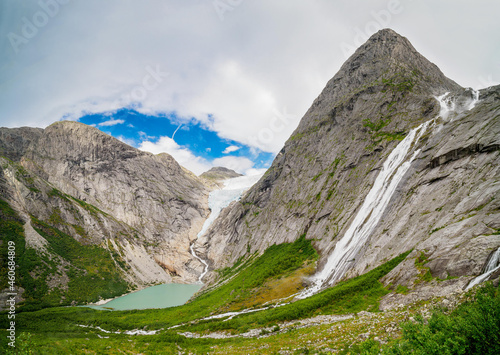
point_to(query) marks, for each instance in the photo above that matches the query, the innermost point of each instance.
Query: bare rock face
(14, 142)
(144, 207)
(446, 208)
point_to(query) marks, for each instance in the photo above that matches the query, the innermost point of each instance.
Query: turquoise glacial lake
(160, 296)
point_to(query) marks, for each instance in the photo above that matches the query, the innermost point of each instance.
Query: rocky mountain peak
(77, 141)
(386, 64)
(320, 180)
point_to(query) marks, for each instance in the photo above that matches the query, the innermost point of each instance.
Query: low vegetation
(64, 258)
(472, 328)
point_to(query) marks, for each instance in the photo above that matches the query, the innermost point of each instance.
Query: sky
(214, 82)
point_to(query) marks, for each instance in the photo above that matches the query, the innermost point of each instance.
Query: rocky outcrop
(446, 206)
(14, 142)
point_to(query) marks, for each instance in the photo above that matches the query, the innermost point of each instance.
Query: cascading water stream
(219, 199)
(449, 104)
(375, 203)
(475, 99)
(205, 265)
(492, 265)
(446, 104)
(347, 248)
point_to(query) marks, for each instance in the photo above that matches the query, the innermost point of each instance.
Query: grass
(353, 295)
(55, 330)
(90, 265)
(85, 265)
(472, 328)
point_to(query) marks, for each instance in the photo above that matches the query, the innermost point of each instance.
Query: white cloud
(182, 155)
(195, 163)
(230, 149)
(93, 56)
(253, 172)
(111, 122)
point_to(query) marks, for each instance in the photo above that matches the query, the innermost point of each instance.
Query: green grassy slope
(58, 327)
(90, 270)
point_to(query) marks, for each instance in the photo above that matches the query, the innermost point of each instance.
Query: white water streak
(128, 332)
(450, 104)
(347, 248)
(447, 105)
(394, 168)
(492, 266)
(475, 99)
(205, 268)
(219, 199)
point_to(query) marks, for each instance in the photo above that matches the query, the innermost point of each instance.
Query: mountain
(219, 173)
(83, 197)
(393, 156)
(386, 194)
(215, 177)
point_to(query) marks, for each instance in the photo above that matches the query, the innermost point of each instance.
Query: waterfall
(375, 203)
(205, 265)
(447, 105)
(450, 104)
(347, 248)
(219, 199)
(475, 99)
(492, 265)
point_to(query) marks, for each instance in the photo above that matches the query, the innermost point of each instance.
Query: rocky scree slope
(446, 208)
(144, 209)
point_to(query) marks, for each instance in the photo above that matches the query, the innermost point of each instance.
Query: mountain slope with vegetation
(446, 207)
(130, 215)
(85, 209)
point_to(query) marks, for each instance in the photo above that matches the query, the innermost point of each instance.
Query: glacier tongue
(347, 248)
(219, 199)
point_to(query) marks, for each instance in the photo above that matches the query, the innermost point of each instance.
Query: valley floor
(344, 318)
(364, 332)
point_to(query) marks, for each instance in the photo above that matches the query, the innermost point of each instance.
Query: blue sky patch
(133, 127)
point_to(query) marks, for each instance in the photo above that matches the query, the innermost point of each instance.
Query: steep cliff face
(150, 193)
(446, 205)
(144, 209)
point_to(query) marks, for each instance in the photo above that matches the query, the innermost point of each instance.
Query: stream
(219, 199)
(173, 294)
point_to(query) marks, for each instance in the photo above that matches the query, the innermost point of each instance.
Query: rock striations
(446, 206)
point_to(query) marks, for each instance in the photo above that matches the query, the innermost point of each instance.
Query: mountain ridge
(73, 182)
(142, 209)
(318, 181)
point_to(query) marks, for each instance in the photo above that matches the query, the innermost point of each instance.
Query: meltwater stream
(217, 200)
